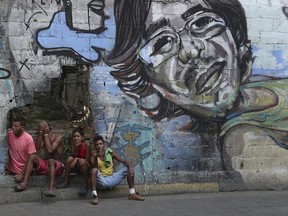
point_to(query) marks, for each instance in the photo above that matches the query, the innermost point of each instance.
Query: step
(35, 194)
(38, 184)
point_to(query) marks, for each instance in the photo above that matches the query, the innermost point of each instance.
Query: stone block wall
(199, 96)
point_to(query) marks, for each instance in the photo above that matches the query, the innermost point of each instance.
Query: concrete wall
(183, 103)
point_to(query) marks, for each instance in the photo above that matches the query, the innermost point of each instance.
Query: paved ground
(259, 203)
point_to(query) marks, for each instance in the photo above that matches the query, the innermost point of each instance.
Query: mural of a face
(192, 57)
(89, 15)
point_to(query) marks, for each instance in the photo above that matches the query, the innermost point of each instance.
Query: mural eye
(164, 44)
(201, 23)
(206, 25)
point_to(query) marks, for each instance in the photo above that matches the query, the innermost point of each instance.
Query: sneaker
(62, 185)
(94, 200)
(136, 197)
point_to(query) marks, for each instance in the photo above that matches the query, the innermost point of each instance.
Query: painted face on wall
(192, 57)
(85, 15)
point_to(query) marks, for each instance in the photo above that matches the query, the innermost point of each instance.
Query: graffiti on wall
(198, 62)
(5, 73)
(46, 34)
(127, 144)
(80, 40)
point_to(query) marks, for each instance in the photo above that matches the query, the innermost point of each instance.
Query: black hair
(98, 137)
(79, 130)
(20, 119)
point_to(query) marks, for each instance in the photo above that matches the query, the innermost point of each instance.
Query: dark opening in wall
(66, 105)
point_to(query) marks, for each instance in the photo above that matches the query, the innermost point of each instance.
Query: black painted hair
(130, 71)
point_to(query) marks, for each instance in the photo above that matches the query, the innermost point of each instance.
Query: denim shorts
(109, 182)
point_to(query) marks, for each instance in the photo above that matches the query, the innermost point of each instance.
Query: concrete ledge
(162, 189)
(35, 194)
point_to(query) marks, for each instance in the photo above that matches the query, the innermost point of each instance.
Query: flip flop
(49, 194)
(20, 187)
(62, 185)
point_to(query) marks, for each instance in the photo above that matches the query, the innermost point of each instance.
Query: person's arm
(94, 160)
(19, 177)
(88, 151)
(74, 162)
(31, 150)
(125, 162)
(51, 147)
(39, 140)
(40, 135)
(75, 147)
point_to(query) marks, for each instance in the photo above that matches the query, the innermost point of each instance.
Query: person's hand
(41, 126)
(77, 143)
(46, 129)
(73, 163)
(18, 177)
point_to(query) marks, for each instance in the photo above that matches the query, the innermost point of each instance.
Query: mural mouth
(207, 80)
(96, 5)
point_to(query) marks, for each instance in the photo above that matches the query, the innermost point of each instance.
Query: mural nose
(188, 52)
(188, 56)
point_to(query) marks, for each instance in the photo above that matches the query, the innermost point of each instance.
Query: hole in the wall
(75, 95)
(66, 105)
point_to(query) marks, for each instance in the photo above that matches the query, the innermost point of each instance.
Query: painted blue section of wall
(59, 36)
(3, 158)
(279, 67)
(102, 81)
(180, 152)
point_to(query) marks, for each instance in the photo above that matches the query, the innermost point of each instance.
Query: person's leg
(55, 169)
(132, 193)
(52, 173)
(66, 182)
(115, 179)
(83, 165)
(32, 162)
(130, 180)
(93, 176)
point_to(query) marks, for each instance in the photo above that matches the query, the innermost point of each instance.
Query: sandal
(20, 187)
(83, 190)
(50, 194)
(62, 185)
